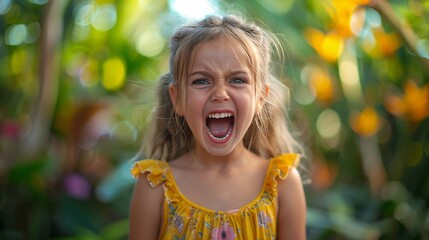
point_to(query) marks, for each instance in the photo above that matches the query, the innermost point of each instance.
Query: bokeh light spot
(367, 122)
(4, 6)
(322, 85)
(16, 34)
(33, 32)
(332, 47)
(104, 17)
(357, 21)
(304, 96)
(124, 131)
(77, 186)
(328, 124)
(350, 78)
(150, 42)
(88, 75)
(113, 74)
(84, 14)
(373, 18)
(329, 46)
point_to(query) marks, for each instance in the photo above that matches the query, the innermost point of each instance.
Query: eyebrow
(207, 73)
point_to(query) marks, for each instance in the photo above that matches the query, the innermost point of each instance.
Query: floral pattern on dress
(187, 220)
(224, 232)
(263, 219)
(178, 223)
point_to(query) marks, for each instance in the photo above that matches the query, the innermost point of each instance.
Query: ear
(172, 89)
(264, 95)
(266, 91)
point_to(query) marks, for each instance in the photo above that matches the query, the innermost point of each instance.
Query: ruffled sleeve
(157, 171)
(279, 169)
(282, 164)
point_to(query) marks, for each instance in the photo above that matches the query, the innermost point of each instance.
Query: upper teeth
(220, 115)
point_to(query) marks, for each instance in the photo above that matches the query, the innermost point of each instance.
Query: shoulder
(149, 174)
(146, 202)
(291, 184)
(292, 206)
(288, 178)
(154, 170)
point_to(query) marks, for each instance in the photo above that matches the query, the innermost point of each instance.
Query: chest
(220, 191)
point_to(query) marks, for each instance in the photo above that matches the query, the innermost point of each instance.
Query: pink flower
(77, 186)
(10, 129)
(223, 232)
(178, 223)
(263, 219)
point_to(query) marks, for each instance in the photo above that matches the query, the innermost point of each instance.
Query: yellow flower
(385, 45)
(322, 86)
(341, 13)
(367, 122)
(414, 104)
(329, 46)
(323, 174)
(395, 104)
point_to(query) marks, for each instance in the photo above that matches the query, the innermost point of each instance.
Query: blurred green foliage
(76, 90)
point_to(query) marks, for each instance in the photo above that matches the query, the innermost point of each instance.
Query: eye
(237, 81)
(200, 81)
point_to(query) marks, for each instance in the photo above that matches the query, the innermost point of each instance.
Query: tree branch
(407, 34)
(43, 108)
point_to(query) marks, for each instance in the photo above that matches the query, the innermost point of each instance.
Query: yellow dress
(184, 219)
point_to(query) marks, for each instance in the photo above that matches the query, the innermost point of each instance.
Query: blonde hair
(268, 135)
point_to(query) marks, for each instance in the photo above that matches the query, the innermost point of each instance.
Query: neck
(203, 159)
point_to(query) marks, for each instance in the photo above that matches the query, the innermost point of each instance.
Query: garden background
(76, 90)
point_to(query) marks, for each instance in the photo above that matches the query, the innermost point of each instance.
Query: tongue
(219, 127)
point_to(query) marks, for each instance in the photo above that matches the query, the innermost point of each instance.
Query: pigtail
(168, 132)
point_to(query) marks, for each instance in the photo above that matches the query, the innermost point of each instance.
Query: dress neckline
(200, 207)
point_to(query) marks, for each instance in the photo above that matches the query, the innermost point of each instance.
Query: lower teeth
(219, 139)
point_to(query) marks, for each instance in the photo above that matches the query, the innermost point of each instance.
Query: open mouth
(219, 126)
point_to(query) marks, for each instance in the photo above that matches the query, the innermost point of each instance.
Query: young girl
(226, 167)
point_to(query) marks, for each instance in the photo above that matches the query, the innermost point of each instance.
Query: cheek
(194, 107)
(247, 105)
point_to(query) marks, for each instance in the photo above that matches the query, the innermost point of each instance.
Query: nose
(220, 93)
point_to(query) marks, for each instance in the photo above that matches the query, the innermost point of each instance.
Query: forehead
(221, 47)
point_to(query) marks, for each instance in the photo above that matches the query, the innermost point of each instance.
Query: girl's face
(221, 102)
